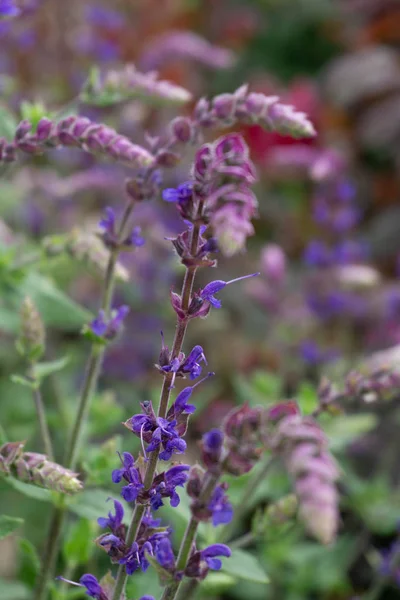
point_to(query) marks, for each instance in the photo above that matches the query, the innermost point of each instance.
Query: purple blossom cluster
(304, 448)
(217, 206)
(74, 132)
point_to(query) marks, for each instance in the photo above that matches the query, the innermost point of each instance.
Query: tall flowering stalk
(217, 205)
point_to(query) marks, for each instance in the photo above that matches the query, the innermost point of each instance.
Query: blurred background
(327, 244)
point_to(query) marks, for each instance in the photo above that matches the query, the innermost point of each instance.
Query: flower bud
(35, 468)
(182, 129)
(31, 340)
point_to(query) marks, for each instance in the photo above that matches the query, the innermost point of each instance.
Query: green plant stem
(245, 499)
(44, 430)
(172, 589)
(90, 383)
(180, 332)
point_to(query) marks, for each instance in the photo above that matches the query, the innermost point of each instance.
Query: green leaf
(8, 525)
(57, 309)
(8, 123)
(217, 583)
(243, 565)
(29, 563)
(341, 430)
(92, 504)
(14, 590)
(32, 491)
(78, 546)
(307, 398)
(164, 576)
(43, 369)
(22, 380)
(33, 112)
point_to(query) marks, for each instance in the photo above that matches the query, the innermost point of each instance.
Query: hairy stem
(93, 369)
(180, 333)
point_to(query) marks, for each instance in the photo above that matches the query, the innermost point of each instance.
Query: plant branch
(180, 332)
(90, 383)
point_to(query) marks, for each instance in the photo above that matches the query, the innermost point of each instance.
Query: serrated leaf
(32, 491)
(29, 563)
(8, 525)
(78, 546)
(243, 565)
(43, 369)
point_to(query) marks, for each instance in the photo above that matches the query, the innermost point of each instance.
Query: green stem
(90, 383)
(180, 332)
(172, 589)
(44, 430)
(246, 499)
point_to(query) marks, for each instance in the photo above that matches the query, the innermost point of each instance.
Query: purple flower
(201, 561)
(212, 288)
(8, 9)
(209, 554)
(110, 236)
(131, 474)
(165, 555)
(165, 484)
(191, 365)
(136, 558)
(181, 366)
(211, 445)
(157, 432)
(180, 405)
(219, 505)
(166, 435)
(113, 522)
(135, 238)
(99, 16)
(313, 355)
(93, 588)
(108, 328)
(318, 254)
(182, 194)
